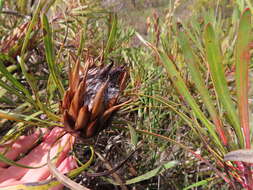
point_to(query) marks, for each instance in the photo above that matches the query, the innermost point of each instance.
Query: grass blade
(34, 20)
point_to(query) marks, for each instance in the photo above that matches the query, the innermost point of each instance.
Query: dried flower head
(12, 43)
(92, 98)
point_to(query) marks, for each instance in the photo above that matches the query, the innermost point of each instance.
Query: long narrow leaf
(62, 178)
(26, 119)
(34, 20)
(13, 163)
(12, 90)
(54, 70)
(242, 60)
(242, 155)
(1, 4)
(21, 59)
(13, 80)
(200, 85)
(22, 5)
(198, 184)
(214, 58)
(183, 90)
(149, 174)
(112, 35)
(152, 173)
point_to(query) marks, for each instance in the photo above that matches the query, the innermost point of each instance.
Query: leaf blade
(242, 60)
(215, 63)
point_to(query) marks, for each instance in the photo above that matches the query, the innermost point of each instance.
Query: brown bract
(92, 98)
(12, 43)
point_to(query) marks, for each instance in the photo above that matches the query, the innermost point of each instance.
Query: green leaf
(5, 99)
(215, 63)
(149, 174)
(34, 20)
(4, 57)
(82, 40)
(21, 59)
(12, 90)
(53, 68)
(51, 88)
(191, 59)
(13, 163)
(153, 172)
(1, 5)
(133, 134)
(13, 80)
(22, 6)
(242, 60)
(30, 119)
(180, 85)
(112, 35)
(199, 183)
(250, 5)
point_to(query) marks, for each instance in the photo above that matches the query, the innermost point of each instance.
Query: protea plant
(12, 43)
(92, 98)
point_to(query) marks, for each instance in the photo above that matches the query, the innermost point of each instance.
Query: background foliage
(187, 81)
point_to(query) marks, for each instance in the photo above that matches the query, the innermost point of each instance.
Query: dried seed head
(92, 98)
(11, 43)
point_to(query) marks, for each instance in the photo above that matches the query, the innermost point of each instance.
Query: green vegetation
(189, 71)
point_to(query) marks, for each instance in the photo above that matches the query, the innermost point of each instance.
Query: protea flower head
(92, 98)
(12, 43)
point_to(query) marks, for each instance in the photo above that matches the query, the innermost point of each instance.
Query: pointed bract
(83, 118)
(98, 104)
(91, 98)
